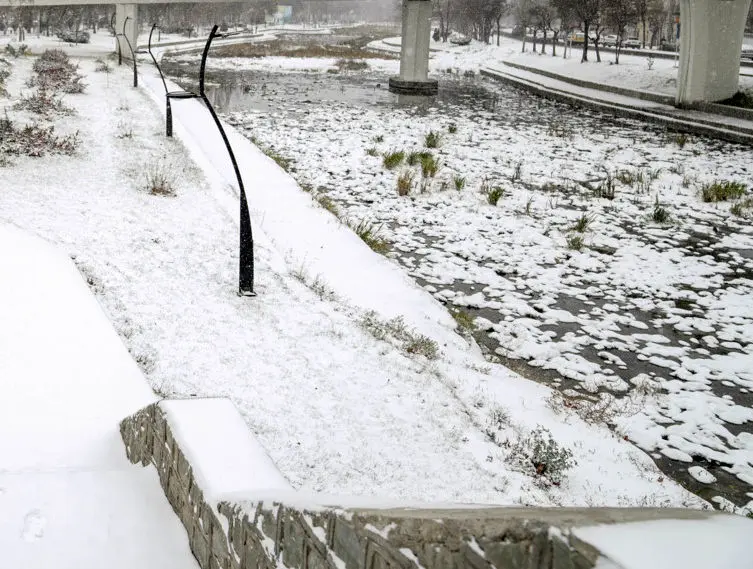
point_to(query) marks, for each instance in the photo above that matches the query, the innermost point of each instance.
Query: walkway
(69, 498)
(561, 88)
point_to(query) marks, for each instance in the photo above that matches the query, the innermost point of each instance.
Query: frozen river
(600, 270)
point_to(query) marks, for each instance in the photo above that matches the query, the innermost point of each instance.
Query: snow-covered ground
(643, 307)
(339, 410)
(69, 497)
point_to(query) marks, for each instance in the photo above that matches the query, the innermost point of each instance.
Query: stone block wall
(298, 533)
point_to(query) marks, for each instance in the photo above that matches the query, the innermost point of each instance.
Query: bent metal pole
(246, 257)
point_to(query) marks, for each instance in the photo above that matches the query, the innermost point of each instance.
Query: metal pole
(133, 55)
(246, 256)
(117, 41)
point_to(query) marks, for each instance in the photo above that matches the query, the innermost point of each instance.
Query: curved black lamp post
(168, 94)
(246, 256)
(130, 47)
(133, 55)
(246, 268)
(117, 41)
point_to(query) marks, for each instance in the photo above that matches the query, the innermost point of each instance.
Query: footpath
(718, 121)
(69, 497)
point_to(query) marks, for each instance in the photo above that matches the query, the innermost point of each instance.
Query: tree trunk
(584, 57)
(596, 47)
(499, 30)
(543, 44)
(534, 40)
(555, 36)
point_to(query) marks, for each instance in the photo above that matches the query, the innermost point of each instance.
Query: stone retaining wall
(292, 531)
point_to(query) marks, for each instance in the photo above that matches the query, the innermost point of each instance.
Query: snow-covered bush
(548, 457)
(397, 333)
(160, 179)
(33, 140)
(43, 103)
(55, 72)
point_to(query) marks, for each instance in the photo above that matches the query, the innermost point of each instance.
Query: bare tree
(619, 14)
(587, 12)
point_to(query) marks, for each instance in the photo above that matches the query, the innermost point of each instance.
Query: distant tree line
(596, 18)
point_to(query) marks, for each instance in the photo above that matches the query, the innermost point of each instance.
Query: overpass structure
(711, 36)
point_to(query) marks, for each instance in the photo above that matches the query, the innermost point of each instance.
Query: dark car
(74, 36)
(668, 45)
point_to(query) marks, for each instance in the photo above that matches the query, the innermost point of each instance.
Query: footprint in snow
(34, 524)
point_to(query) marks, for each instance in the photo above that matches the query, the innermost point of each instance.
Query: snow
(337, 410)
(702, 475)
(68, 495)
(721, 542)
(224, 455)
(510, 265)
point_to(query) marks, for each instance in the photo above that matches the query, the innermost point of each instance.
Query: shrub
(547, 456)
(160, 179)
(43, 103)
(452, 129)
(351, 64)
(393, 159)
(395, 331)
(405, 183)
(459, 182)
(102, 66)
(33, 140)
(55, 72)
(373, 151)
(432, 139)
(722, 191)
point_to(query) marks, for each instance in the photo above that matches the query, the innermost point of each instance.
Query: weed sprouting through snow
(396, 332)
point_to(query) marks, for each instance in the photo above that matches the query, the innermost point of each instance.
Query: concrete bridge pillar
(123, 11)
(414, 53)
(711, 37)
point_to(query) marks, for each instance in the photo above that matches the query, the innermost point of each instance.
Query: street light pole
(246, 256)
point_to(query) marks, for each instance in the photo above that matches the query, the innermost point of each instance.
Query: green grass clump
(393, 159)
(369, 234)
(660, 213)
(432, 139)
(459, 182)
(429, 165)
(575, 242)
(722, 191)
(583, 223)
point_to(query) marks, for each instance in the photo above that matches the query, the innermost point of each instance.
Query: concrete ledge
(427, 88)
(678, 124)
(204, 461)
(643, 95)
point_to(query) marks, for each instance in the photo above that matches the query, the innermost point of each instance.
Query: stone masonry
(293, 533)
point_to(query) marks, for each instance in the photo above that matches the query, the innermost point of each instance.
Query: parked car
(609, 41)
(632, 43)
(577, 37)
(459, 39)
(747, 52)
(669, 45)
(74, 36)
